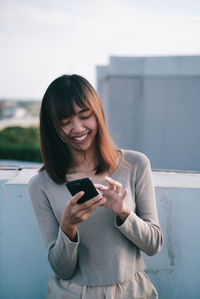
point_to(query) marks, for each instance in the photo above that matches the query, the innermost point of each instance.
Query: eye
(65, 123)
(85, 115)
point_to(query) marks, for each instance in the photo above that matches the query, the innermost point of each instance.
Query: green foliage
(18, 143)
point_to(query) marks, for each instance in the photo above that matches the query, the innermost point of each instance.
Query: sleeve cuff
(127, 225)
(65, 240)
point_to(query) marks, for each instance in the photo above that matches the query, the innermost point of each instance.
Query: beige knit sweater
(106, 252)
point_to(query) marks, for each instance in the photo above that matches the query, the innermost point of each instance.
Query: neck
(84, 161)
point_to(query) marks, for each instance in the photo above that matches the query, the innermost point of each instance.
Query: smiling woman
(95, 247)
(71, 109)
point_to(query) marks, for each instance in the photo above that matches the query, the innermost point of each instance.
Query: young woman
(94, 248)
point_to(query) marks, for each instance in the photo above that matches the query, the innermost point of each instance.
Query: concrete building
(152, 105)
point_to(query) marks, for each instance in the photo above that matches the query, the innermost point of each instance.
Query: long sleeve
(142, 226)
(62, 252)
(105, 253)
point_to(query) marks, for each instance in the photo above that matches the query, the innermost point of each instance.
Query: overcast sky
(43, 39)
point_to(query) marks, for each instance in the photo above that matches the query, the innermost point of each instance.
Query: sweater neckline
(112, 175)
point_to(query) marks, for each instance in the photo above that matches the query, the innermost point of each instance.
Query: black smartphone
(85, 185)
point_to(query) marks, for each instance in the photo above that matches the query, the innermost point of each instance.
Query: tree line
(18, 143)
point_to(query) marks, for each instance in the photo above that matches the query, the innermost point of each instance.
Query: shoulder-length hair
(58, 104)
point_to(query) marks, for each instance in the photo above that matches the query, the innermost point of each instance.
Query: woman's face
(80, 129)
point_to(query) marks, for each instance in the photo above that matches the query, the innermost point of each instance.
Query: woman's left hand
(114, 197)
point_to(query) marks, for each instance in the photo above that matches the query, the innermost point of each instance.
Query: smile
(81, 138)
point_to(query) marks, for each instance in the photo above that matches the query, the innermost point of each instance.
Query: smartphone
(85, 185)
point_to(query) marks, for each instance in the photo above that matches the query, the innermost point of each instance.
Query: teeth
(80, 138)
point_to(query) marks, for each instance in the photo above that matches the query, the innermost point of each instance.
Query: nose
(78, 125)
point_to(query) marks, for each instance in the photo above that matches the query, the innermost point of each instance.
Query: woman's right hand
(75, 213)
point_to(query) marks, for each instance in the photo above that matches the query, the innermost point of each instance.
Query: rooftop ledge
(162, 178)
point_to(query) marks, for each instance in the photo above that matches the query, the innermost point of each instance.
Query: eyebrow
(79, 112)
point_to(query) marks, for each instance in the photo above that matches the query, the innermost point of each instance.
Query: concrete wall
(152, 105)
(24, 270)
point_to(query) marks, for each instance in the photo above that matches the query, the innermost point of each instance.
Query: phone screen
(85, 185)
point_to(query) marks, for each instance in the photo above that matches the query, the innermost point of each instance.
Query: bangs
(67, 100)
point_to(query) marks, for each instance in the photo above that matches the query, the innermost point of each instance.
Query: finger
(90, 209)
(101, 187)
(76, 197)
(110, 182)
(101, 202)
(114, 184)
(108, 179)
(124, 193)
(91, 202)
(118, 187)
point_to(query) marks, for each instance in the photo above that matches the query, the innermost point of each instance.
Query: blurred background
(141, 56)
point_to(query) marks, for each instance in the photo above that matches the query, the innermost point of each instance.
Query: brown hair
(58, 104)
